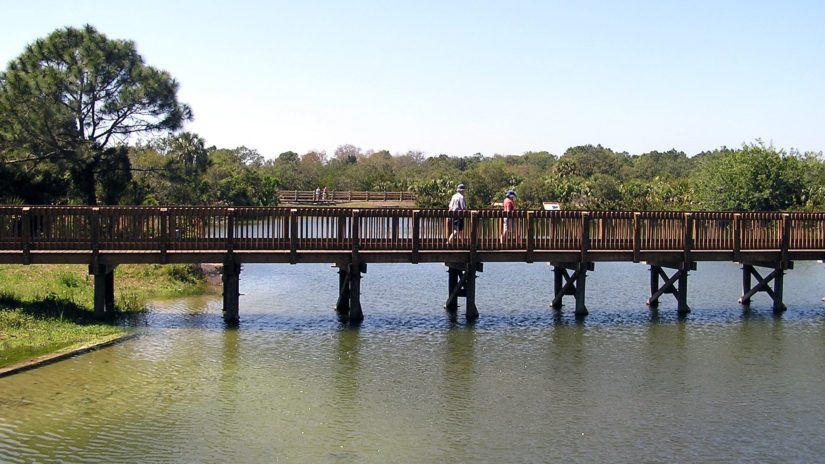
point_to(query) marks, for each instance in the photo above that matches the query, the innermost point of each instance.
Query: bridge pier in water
(461, 282)
(571, 284)
(776, 275)
(348, 305)
(104, 291)
(675, 285)
(231, 290)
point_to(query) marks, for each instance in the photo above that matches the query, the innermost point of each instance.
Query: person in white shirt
(457, 203)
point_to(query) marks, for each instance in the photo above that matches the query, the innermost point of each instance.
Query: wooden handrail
(30, 229)
(335, 196)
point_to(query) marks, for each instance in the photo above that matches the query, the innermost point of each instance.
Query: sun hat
(511, 193)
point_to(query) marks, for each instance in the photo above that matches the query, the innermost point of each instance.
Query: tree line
(83, 120)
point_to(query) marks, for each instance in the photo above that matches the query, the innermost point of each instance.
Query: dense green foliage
(70, 102)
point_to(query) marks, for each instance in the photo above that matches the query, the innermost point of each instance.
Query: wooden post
(293, 236)
(637, 237)
(737, 236)
(416, 235)
(470, 292)
(581, 276)
(26, 234)
(99, 292)
(94, 229)
(473, 235)
(585, 245)
(109, 297)
(687, 240)
(681, 295)
(230, 229)
(355, 228)
(453, 284)
(356, 314)
(531, 239)
(164, 234)
(654, 285)
(342, 305)
(104, 290)
(231, 289)
(395, 221)
(747, 270)
(779, 287)
(785, 241)
(559, 275)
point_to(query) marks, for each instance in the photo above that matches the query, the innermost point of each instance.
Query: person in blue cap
(508, 206)
(457, 203)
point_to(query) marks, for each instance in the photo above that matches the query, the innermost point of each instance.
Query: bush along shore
(46, 310)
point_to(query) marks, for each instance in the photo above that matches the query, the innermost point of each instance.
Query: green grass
(48, 308)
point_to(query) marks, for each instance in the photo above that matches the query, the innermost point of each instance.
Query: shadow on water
(403, 298)
(390, 320)
(409, 299)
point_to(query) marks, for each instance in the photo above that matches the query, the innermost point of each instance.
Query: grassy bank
(48, 308)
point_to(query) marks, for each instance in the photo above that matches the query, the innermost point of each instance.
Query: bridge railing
(807, 231)
(310, 196)
(65, 228)
(11, 228)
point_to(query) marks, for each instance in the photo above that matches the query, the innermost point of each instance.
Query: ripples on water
(524, 383)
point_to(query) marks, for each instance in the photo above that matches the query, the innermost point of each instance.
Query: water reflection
(458, 374)
(410, 384)
(345, 374)
(229, 383)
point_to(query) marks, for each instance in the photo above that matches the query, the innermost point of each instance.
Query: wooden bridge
(572, 241)
(341, 196)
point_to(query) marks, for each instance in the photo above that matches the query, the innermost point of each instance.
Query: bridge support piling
(231, 291)
(104, 291)
(675, 284)
(453, 287)
(461, 281)
(348, 305)
(763, 283)
(342, 305)
(571, 284)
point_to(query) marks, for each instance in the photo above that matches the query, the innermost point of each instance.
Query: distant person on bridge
(508, 206)
(457, 203)
(317, 193)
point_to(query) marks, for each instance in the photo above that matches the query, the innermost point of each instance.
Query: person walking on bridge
(457, 203)
(508, 223)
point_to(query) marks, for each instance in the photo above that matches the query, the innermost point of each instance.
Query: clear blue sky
(462, 77)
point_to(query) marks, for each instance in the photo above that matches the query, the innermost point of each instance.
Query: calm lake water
(522, 384)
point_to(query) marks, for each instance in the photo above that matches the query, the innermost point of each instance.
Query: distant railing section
(333, 196)
(65, 228)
